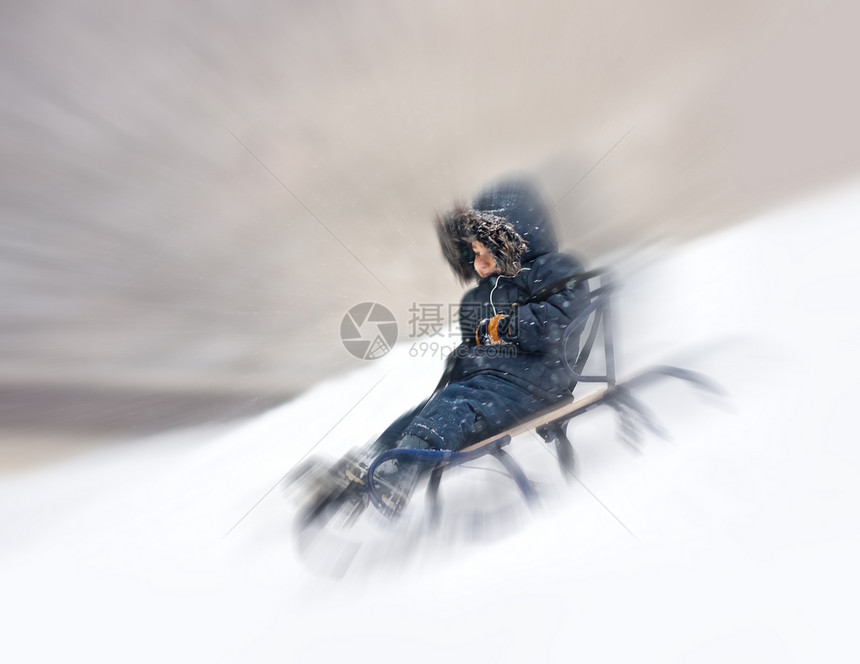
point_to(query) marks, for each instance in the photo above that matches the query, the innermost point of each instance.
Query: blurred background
(194, 194)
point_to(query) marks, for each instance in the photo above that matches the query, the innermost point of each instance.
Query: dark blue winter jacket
(533, 357)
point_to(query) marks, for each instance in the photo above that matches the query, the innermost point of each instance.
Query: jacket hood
(508, 218)
(458, 228)
(519, 203)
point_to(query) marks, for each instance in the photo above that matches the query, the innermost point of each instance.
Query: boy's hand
(491, 331)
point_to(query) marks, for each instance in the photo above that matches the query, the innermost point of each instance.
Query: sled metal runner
(594, 322)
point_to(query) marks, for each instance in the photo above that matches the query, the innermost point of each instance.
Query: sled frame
(592, 323)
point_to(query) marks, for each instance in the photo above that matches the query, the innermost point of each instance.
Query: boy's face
(485, 264)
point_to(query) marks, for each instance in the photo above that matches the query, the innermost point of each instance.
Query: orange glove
(490, 331)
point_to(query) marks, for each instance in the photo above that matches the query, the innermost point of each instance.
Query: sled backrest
(588, 326)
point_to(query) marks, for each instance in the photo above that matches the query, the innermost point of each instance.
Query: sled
(592, 324)
(343, 491)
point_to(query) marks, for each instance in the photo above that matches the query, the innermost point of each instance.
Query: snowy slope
(735, 539)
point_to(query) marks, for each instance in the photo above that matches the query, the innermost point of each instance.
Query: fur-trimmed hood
(508, 218)
(461, 226)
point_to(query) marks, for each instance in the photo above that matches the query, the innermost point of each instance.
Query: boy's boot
(327, 489)
(395, 479)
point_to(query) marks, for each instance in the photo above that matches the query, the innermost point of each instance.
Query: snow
(736, 538)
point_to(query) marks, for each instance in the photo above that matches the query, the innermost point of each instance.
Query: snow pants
(465, 412)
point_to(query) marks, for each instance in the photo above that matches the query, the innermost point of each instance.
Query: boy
(511, 362)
